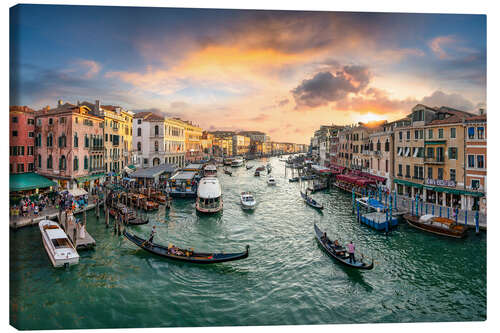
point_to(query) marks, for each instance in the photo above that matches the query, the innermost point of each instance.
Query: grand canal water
(287, 279)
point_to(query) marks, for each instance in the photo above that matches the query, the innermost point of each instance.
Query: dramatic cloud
(438, 45)
(326, 87)
(456, 101)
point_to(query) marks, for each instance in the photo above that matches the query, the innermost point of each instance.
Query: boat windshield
(61, 243)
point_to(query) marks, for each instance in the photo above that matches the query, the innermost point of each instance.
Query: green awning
(29, 181)
(89, 178)
(457, 191)
(131, 166)
(436, 142)
(407, 183)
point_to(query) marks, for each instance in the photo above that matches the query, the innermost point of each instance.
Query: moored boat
(436, 225)
(271, 181)
(187, 255)
(209, 196)
(247, 200)
(130, 214)
(60, 250)
(339, 253)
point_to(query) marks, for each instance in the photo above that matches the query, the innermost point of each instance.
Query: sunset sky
(282, 72)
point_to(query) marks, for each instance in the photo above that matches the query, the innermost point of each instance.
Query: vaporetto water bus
(209, 196)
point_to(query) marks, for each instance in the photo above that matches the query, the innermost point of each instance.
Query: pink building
(22, 139)
(69, 145)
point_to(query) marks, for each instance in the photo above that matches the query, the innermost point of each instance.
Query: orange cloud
(437, 45)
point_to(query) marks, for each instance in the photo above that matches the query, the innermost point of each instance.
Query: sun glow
(369, 117)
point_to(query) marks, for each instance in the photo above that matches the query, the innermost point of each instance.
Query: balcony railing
(429, 160)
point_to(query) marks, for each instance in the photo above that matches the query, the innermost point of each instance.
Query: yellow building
(117, 135)
(174, 141)
(223, 146)
(192, 135)
(241, 145)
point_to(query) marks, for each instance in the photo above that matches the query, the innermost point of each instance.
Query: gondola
(310, 201)
(339, 254)
(227, 172)
(189, 255)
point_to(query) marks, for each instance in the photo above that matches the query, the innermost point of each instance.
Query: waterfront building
(475, 159)
(382, 153)
(223, 146)
(174, 142)
(255, 136)
(344, 157)
(69, 145)
(157, 140)
(21, 139)
(241, 145)
(192, 134)
(117, 134)
(207, 144)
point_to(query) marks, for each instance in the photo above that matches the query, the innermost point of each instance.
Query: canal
(287, 278)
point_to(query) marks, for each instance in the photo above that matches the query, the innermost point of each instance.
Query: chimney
(59, 102)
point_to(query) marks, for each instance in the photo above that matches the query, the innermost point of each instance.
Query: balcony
(429, 160)
(95, 149)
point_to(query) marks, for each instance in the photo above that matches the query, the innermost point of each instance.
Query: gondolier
(152, 235)
(350, 250)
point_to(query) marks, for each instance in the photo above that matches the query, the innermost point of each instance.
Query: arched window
(86, 141)
(75, 141)
(49, 140)
(75, 163)
(62, 163)
(85, 163)
(49, 162)
(157, 130)
(38, 141)
(62, 141)
(138, 146)
(139, 131)
(387, 145)
(39, 161)
(378, 145)
(156, 146)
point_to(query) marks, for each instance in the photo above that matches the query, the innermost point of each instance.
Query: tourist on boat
(324, 236)
(152, 235)
(350, 250)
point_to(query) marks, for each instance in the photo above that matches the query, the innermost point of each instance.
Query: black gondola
(340, 253)
(188, 255)
(310, 201)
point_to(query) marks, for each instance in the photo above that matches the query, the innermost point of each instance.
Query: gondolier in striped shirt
(152, 235)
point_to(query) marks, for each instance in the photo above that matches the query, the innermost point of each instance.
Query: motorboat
(210, 170)
(257, 173)
(436, 225)
(60, 250)
(209, 196)
(271, 181)
(372, 203)
(237, 162)
(247, 200)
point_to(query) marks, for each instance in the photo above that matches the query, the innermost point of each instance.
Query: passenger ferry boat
(237, 162)
(57, 244)
(209, 196)
(210, 171)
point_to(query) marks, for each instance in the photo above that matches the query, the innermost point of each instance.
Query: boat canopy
(55, 233)
(183, 175)
(76, 192)
(210, 167)
(209, 188)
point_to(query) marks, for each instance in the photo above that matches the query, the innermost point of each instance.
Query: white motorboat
(57, 244)
(247, 200)
(271, 181)
(210, 170)
(237, 162)
(209, 196)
